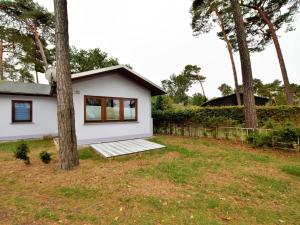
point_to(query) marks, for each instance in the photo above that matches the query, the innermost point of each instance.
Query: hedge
(210, 116)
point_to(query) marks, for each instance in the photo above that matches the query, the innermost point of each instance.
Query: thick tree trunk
(1, 61)
(249, 101)
(65, 109)
(287, 87)
(230, 52)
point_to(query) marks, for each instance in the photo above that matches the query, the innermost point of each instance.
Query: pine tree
(30, 18)
(249, 101)
(205, 13)
(65, 110)
(263, 19)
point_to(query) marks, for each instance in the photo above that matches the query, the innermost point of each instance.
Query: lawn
(192, 181)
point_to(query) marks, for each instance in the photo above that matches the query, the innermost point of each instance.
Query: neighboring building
(110, 104)
(230, 100)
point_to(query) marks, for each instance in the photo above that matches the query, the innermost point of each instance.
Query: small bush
(22, 152)
(260, 139)
(287, 134)
(45, 157)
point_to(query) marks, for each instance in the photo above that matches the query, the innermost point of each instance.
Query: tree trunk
(202, 87)
(37, 77)
(65, 109)
(230, 52)
(38, 43)
(41, 48)
(249, 101)
(287, 87)
(1, 61)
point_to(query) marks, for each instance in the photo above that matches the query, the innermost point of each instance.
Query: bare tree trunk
(230, 52)
(37, 77)
(1, 61)
(249, 101)
(38, 43)
(41, 48)
(65, 109)
(287, 87)
(202, 87)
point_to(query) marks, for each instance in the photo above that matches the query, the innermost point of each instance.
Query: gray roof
(127, 72)
(9, 87)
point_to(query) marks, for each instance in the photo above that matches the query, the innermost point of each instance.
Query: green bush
(260, 139)
(45, 157)
(22, 151)
(287, 134)
(223, 116)
(284, 138)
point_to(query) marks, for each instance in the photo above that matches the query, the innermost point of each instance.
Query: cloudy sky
(155, 38)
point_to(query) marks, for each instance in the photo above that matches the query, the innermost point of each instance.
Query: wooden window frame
(136, 108)
(13, 111)
(92, 121)
(103, 109)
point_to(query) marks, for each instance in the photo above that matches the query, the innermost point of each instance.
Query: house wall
(45, 115)
(112, 85)
(43, 118)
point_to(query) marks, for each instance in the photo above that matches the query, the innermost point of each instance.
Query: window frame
(14, 110)
(104, 113)
(92, 121)
(136, 108)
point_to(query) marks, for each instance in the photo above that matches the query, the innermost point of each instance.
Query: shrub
(267, 116)
(284, 138)
(45, 157)
(22, 152)
(260, 139)
(287, 134)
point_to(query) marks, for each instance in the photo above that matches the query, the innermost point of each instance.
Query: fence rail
(237, 134)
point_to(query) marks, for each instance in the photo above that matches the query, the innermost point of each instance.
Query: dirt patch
(219, 179)
(154, 188)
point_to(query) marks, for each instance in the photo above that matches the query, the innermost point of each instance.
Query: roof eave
(154, 89)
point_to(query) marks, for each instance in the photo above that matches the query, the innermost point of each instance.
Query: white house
(110, 104)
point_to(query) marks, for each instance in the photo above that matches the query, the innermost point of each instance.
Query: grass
(292, 170)
(192, 181)
(11, 146)
(88, 153)
(77, 192)
(45, 213)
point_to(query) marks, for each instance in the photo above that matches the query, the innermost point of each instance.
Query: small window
(92, 109)
(129, 109)
(21, 111)
(112, 109)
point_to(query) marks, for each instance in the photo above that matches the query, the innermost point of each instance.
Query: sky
(156, 39)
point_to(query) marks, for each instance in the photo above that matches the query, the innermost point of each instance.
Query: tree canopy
(83, 60)
(177, 86)
(225, 89)
(27, 36)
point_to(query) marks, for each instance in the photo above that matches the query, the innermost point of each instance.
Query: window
(113, 109)
(21, 111)
(109, 109)
(93, 109)
(130, 109)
